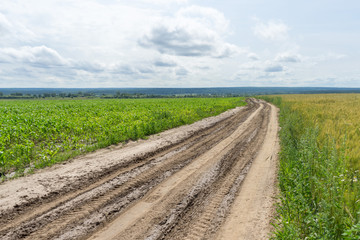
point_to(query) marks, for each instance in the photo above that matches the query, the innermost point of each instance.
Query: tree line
(118, 94)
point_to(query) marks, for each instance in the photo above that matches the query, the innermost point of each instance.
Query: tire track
(166, 216)
(205, 216)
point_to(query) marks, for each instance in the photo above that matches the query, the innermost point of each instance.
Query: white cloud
(40, 55)
(208, 17)
(93, 66)
(165, 61)
(262, 66)
(192, 32)
(45, 57)
(13, 31)
(96, 43)
(258, 73)
(123, 69)
(274, 68)
(5, 25)
(253, 56)
(182, 71)
(272, 30)
(288, 57)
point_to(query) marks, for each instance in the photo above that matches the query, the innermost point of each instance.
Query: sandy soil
(253, 209)
(212, 179)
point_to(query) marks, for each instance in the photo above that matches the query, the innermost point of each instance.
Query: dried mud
(185, 183)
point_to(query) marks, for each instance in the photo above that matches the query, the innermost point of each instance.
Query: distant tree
(1, 94)
(53, 94)
(17, 94)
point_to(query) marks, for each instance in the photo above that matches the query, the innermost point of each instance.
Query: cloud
(12, 31)
(140, 70)
(181, 72)
(272, 30)
(207, 17)
(45, 57)
(89, 43)
(165, 62)
(177, 41)
(123, 69)
(251, 66)
(146, 69)
(259, 71)
(260, 67)
(192, 32)
(41, 56)
(274, 68)
(253, 56)
(288, 57)
(93, 67)
(5, 25)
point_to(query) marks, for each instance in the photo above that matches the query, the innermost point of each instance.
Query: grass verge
(319, 195)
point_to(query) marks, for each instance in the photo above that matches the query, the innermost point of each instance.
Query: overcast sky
(179, 43)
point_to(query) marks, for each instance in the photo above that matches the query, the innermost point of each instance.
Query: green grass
(320, 194)
(39, 133)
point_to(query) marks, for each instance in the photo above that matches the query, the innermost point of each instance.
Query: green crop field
(319, 166)
(38, 133)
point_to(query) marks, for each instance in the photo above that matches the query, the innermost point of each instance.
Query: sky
(179, 43)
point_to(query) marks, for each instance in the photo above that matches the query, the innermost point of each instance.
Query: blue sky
(179, 43)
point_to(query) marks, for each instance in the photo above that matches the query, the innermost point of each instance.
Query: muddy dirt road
(214, 179)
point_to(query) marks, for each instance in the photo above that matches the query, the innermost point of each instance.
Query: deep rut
(184, 191)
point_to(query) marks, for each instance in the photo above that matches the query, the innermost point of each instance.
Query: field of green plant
(319, 167)
(38, 133)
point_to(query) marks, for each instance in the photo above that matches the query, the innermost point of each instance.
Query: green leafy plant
(38, 133)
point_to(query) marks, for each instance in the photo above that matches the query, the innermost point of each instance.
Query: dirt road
(213, 179)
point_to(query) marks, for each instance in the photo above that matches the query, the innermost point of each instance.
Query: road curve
(203, 187)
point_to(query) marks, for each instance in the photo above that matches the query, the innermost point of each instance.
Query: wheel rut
(182, 191)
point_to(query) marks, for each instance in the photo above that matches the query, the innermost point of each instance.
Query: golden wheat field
(336, 115)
